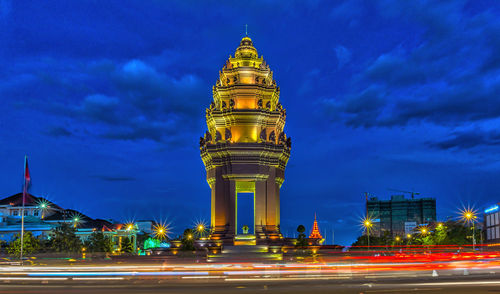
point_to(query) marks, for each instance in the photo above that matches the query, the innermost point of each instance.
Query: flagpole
(22, 209)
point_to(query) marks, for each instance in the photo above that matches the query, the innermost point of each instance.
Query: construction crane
(413, 193)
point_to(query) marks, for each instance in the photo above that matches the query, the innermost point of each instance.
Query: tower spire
(246, 30)
(315, 234)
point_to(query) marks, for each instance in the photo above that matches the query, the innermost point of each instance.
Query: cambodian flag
(27, 177)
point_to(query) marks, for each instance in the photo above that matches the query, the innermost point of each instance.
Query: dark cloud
(469, 139)
(59, 132)
(131, 101)
(448, 78)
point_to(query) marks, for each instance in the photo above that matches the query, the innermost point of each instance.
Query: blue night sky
(108, 100)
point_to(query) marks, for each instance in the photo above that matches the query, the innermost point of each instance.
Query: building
(42, 216)
(399, 216)
(245, 149)
(315, 234)
(492, 224)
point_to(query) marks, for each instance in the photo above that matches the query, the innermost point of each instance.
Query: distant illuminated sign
(409, 227)
(491, 209)
(377, 220)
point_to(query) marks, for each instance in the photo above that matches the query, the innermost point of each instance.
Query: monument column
(245, 148)
(233, 205)
(260, 207)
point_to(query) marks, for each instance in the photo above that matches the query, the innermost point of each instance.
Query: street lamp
(469, 216)
(76, 219)
(367, 223)
(161, 231)
(424, 231)
(200, 229)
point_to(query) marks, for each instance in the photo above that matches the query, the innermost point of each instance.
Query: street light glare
(468, 215)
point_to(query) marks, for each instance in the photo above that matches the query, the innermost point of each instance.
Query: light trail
(345, 267)
(460, 283)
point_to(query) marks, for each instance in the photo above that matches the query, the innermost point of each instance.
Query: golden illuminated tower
(315, 234)
(245, 149)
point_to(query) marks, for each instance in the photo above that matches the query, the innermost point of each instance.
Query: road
(456, 284)
(473, 273)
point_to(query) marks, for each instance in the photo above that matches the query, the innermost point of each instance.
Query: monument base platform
(247, 253)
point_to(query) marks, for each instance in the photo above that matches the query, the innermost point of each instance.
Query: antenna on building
(412, 193)
(366, 203)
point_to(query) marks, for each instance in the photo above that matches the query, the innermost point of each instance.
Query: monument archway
(245, 149)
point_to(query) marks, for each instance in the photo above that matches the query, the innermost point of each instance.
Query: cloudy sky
(108, 100)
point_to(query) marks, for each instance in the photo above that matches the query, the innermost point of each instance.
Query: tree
(187, 240)
(151, 243)
(99, 243)
(449, 233)
(30, 244)
(141, 239)
(301, 239)
(126, 245)
(64, 239)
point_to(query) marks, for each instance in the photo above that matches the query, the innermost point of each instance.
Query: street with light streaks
(367, 273)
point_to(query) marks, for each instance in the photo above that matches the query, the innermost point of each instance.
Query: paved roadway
(472, 274)
(455, 284)
(448, 281)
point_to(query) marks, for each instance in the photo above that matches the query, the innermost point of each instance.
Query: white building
(492, 224)
(42, 216)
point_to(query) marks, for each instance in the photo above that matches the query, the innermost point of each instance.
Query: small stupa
(315, 234)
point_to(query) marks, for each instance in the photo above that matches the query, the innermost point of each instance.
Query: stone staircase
(246, 253)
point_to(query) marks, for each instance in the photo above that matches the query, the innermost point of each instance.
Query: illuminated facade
(41, 217)
(399, 216)
(315, 234)
(245, 149)
(492, 224)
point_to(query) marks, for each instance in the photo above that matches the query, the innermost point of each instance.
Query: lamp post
(75, 221)
(161, 231)
(367, 223)
(470, 216)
